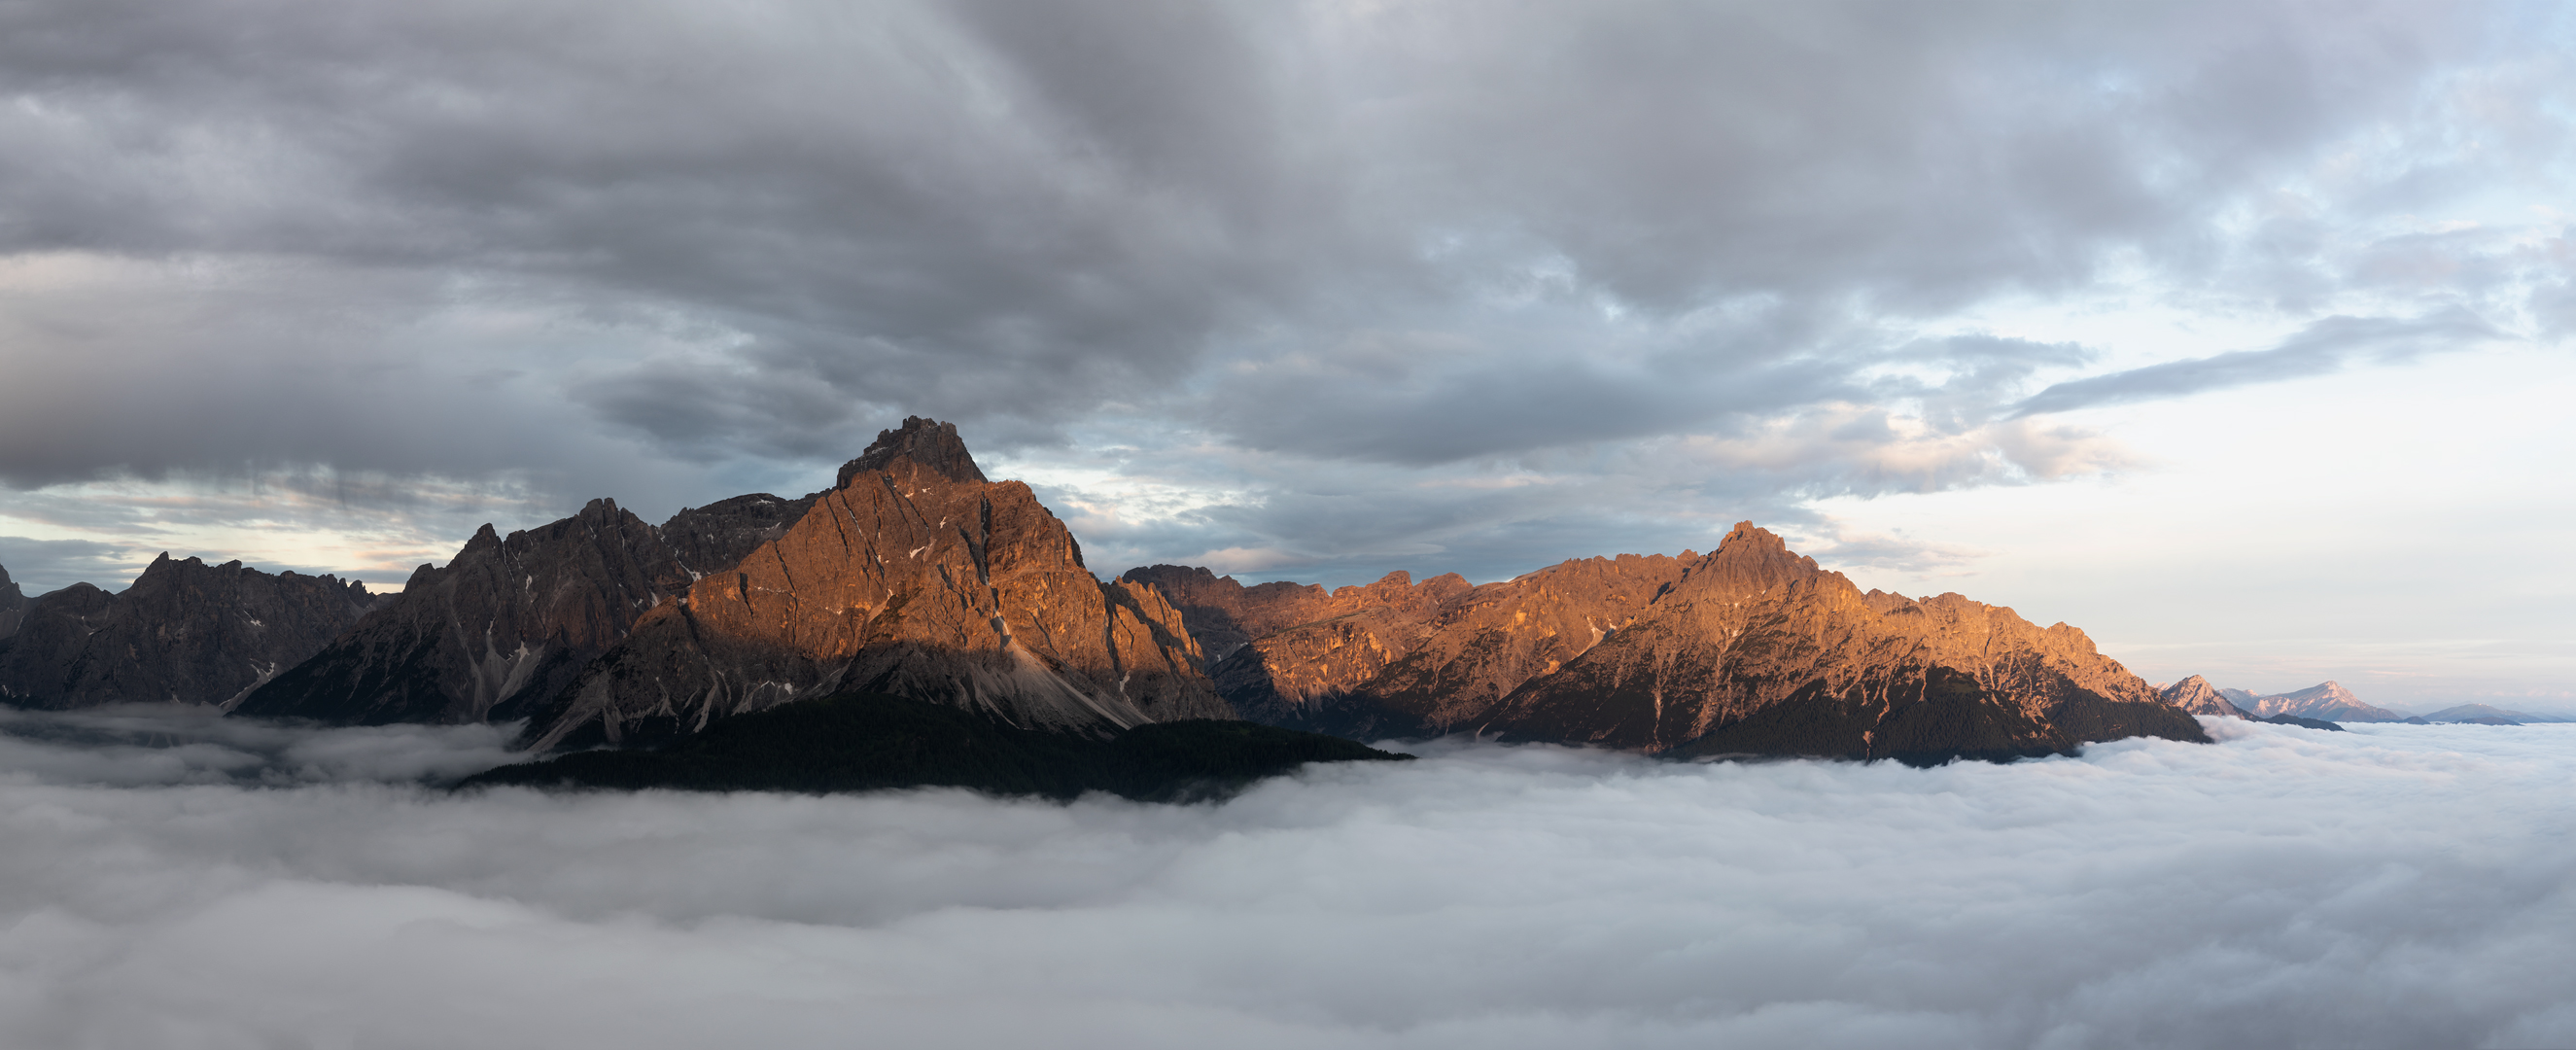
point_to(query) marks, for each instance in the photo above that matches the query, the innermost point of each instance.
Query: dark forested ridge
(855, 741)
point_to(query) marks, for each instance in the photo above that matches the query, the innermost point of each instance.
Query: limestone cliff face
(2196, 696)
(185, 632)
(508, 622)
(13, 605)
(1397, 658)
(1758, 651)
(1752, 649)
(914, 576)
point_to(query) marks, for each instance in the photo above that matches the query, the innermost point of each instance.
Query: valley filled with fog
(179, 880)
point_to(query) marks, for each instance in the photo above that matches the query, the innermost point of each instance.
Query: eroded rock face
(1397, 658)
(185, 632)
(1752, 649)
(510, 621)
(716, 537)
(2196, 696)
(915, 576)
(13, 605)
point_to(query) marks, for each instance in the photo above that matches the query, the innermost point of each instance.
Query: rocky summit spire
(914, 576)
(930, 443)
(2197, 696)
(13, 604)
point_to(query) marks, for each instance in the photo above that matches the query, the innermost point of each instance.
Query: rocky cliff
(1751, 649)
(2196, 696)
(508, 622)
(1396, 658)
(13, 605)
(717, 536)
(914, 576)
(185, 632)
(2329, 701)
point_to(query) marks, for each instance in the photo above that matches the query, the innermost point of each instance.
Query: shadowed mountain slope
(13, 605)
(718, 536)
(185, 632)
(508, 621)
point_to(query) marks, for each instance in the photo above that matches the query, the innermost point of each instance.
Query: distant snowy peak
(2329, 701)
(2196, 695)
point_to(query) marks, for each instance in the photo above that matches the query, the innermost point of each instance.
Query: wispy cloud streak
(2325, 346)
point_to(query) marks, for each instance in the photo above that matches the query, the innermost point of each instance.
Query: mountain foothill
(915, 580)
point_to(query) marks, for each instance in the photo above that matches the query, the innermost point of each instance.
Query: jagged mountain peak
(185, 632)
(931, 444)
(916, 576)
(13, 604)
(1749, 559)
(2196, 695)
(484, 539)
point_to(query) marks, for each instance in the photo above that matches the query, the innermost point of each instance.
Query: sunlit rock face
(185, 632)
(509, 622)
(2329, 701)
(1396, 658)
(914, 576)
(1751, 649)
(2196, 696)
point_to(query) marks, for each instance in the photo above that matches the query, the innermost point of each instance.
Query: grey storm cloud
(2394, 886)
(673, 251)
(1014, 211)
(2325, 346)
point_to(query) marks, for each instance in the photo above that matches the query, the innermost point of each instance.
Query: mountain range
(2488, 714)
(1750, 649)
(185, 631)
(916, 578)
(2325, 701)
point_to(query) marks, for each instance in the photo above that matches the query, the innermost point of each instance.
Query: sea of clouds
(170, 880)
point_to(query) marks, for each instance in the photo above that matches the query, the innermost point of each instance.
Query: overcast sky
(2235, 334)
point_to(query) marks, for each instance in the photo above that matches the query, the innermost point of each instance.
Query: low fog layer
(2393, 886)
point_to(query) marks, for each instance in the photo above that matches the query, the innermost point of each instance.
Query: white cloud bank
(2396, 886)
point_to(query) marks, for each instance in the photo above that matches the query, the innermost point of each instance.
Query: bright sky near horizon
(2235, 334)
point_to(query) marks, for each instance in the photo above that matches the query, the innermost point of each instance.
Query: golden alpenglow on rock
(1749, 650)
(914, 576)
